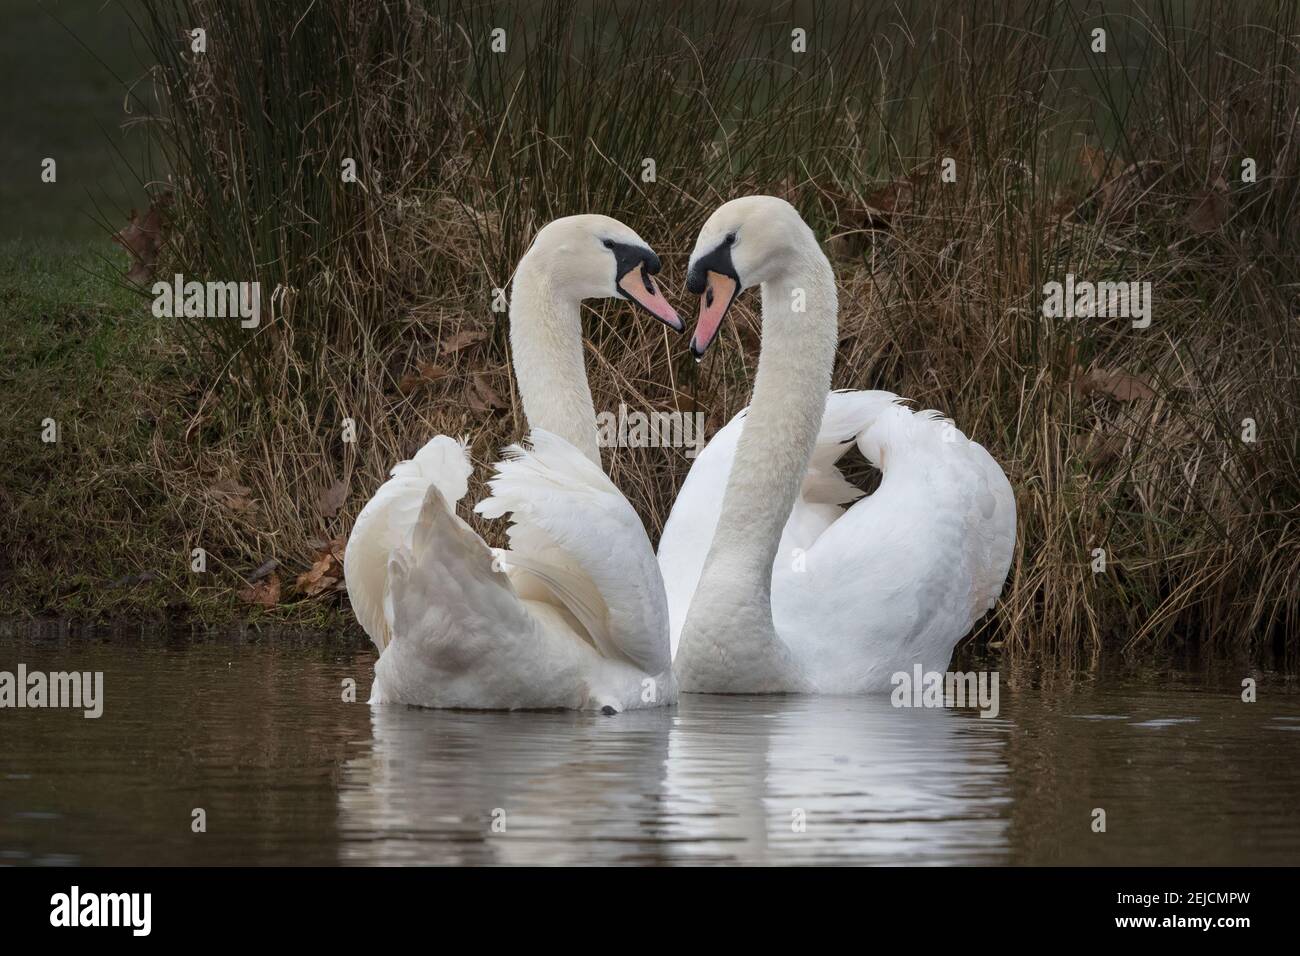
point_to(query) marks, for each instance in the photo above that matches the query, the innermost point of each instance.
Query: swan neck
(781, 426)
(729, 640)
(547, 352)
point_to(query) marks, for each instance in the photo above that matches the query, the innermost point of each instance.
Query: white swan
(574, 614)
(772, 585)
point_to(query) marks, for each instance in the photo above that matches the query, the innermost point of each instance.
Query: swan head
(596, 257)
(745, 243)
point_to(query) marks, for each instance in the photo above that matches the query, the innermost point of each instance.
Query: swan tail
(387, 523)
(457, 624)
(444, 461)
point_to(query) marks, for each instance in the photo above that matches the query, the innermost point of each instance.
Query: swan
(573, 614)
(773, 586)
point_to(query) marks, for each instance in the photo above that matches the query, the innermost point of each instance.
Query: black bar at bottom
(659, 906)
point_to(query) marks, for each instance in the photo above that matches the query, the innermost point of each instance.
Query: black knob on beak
(696, 280)
(719, 261)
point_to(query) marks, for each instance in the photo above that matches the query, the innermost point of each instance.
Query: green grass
(89, 529)
(79, 347)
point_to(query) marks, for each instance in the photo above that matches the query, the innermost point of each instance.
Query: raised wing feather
(387, 522)
(568, 514)
(905, 573)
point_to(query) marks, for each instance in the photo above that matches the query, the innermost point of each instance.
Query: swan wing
(958, 479)
(388, 521)
(902, 575)
(575, 532)
(995, 532)
(689, 530)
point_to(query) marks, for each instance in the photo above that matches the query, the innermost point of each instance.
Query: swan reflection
(716, 779)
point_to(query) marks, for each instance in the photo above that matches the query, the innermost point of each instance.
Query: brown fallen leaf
(483, 397)
(1117, 383)
(462, 339)
(320, 578)
(1209, 209)
(1111, 197)
(423, 374)
(229, 486)
(332, 498)
(240, 506)
(234, 496)
(326, 572)
(891, 198)
(1095, 164)
(262, 593)
(1103, 449)
(143, 238)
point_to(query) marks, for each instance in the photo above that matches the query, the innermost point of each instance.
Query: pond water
(253, 730)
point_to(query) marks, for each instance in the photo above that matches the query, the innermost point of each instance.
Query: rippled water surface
(254, 731)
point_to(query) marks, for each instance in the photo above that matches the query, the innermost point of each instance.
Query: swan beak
(719, 292)
(638, 285)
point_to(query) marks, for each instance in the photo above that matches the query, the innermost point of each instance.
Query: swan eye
(731, 239)
(608, 243)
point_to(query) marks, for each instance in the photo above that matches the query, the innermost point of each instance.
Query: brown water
(254, 731)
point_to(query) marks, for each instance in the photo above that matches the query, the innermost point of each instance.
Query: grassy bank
(89, 529)
(1122, 165)
(79, 356)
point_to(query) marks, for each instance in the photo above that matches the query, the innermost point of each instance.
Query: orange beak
(639, 286)
(719, 292)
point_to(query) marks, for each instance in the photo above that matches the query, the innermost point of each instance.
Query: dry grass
(1124, 166)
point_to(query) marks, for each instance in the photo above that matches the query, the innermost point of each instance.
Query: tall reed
(1122, 165)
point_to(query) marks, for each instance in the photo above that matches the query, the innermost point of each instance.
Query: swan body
(782, 588)
(573, 614)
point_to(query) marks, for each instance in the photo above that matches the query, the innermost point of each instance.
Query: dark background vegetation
(1118, 166)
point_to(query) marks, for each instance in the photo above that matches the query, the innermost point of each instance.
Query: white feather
(387, 521)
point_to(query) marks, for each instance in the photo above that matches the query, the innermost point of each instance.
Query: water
(253, 730)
